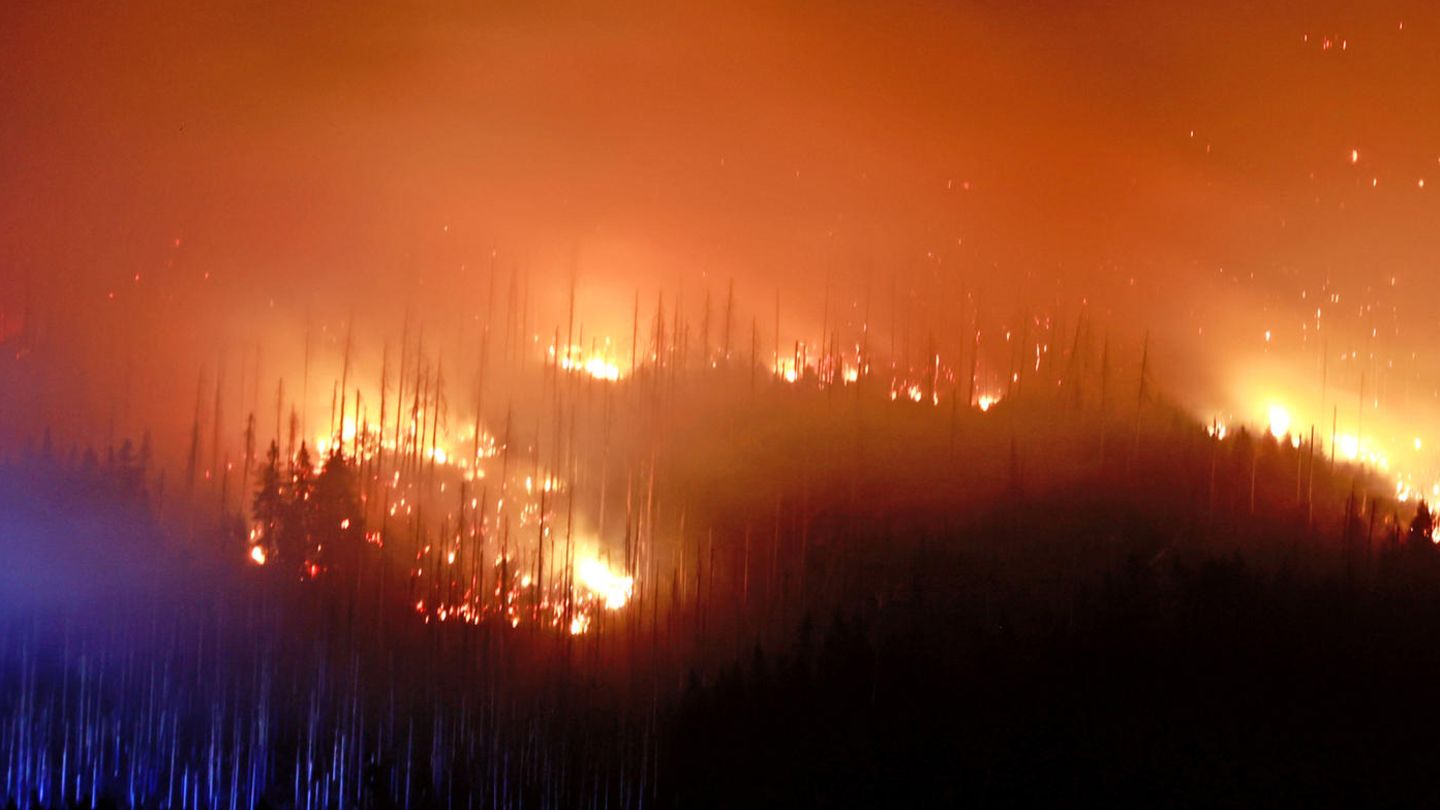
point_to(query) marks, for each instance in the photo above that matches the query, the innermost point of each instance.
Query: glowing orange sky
(1185, 169)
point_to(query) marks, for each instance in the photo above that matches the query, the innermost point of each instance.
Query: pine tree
(338, 526)
(268, 508)
(297, 543)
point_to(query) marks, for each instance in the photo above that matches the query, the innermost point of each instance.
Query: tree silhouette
(1422, 528)
(297, 541)
(338, 523)
(269, 505)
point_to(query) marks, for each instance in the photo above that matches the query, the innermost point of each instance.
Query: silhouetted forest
(1112, 638)
(1169, 681)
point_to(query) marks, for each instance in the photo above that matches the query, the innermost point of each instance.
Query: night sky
(1254, 185)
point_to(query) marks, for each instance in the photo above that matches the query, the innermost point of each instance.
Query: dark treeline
(855, 602)
(1173, 679)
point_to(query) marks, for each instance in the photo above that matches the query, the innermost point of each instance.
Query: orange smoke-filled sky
(1209, 171)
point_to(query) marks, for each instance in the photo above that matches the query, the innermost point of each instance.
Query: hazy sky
(1183, 167)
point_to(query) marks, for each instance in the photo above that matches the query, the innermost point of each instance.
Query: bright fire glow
(598, 366)
(1279, 421)
(1348, 446)
(596, 577)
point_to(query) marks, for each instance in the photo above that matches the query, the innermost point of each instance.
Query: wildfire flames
(596, 577)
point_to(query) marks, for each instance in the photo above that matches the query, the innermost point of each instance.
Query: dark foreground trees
(1198, 683)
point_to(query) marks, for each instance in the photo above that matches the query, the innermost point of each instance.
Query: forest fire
(613, 589)
(481, 405)
(1279, 421)
(575, 360)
